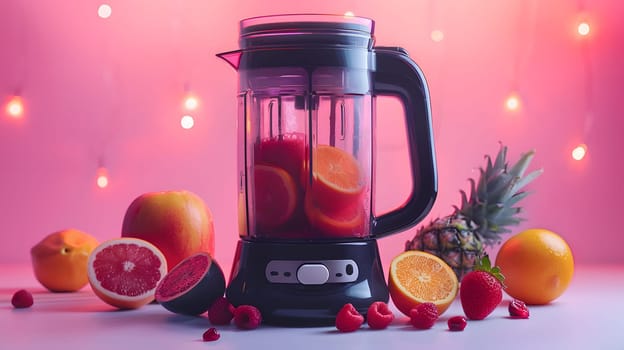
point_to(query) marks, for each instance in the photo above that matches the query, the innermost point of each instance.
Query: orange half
(417, 277)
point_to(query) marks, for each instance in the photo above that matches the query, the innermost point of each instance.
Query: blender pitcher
(306, 137)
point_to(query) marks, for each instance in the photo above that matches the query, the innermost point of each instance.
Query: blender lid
(297, 30)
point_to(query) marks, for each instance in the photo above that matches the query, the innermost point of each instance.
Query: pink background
(110, 91)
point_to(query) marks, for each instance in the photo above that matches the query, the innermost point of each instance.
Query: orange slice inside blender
(337, 180)
(345, 223)
(275, 196)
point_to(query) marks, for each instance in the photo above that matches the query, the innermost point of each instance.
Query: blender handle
(398, 75)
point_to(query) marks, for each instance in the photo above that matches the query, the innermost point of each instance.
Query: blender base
(297, 285)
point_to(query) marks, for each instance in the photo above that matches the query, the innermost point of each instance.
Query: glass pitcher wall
(307, 159)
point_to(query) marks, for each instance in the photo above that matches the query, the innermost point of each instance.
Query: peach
(177, 222)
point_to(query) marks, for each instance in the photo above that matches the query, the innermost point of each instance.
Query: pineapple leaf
(491, 207)
(516, 198)
(501, 158)
(508, 191)
(482, 189)
(497, 181)
(527, 179)
(522, 164)
(489, 166)
(464, 199)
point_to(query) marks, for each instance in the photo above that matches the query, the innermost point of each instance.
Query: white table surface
(590, 315)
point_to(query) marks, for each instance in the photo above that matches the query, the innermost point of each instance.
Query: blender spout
(232, 57)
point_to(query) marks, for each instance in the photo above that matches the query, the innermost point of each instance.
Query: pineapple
(461, 238)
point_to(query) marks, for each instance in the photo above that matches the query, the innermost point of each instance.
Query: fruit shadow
(200, 321)
(148, 315)
(80, 301)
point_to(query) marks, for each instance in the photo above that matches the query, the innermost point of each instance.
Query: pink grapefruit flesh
(124, 272)
(191, 286)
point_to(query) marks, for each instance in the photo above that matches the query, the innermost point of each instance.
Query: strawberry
(480, 291)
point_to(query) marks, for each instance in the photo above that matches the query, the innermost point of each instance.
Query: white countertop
(590, 315)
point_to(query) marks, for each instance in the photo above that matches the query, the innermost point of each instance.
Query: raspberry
(22, 299)
(211, 335)
(424, 315)
(348, 319)
(221, 312)
(457, 323)
(247, 317)
(518, 309)
(379, 315)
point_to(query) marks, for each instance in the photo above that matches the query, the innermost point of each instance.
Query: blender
(306, 151)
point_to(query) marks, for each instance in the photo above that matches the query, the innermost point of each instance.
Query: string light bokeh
(513, 103)
(583, 29)
(104, 11)
(15, 107)
(101, 179)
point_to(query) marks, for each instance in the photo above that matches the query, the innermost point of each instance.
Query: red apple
(177, 222)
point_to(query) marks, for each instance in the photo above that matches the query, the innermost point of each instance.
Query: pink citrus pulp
(125, 272)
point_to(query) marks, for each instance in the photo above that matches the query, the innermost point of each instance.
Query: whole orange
(60, 260)
(178, 223)
(537, 264)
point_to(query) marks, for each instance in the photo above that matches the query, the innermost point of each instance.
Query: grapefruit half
(192, 286)
(124, 272)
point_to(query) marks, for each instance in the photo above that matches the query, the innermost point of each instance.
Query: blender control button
(312, 274)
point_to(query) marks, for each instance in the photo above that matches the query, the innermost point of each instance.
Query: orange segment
(275, 196)
(337, 180)
(417, 277)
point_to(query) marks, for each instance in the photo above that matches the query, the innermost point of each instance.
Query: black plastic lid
(306, 30)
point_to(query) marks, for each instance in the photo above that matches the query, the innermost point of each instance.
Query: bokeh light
(15, 107)
(512, 103)
(349, 14)
(437, 35)
(583, 29)
(102, 178)
(187, 121)
(191, 103)
(105, 11)
(579, 152)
